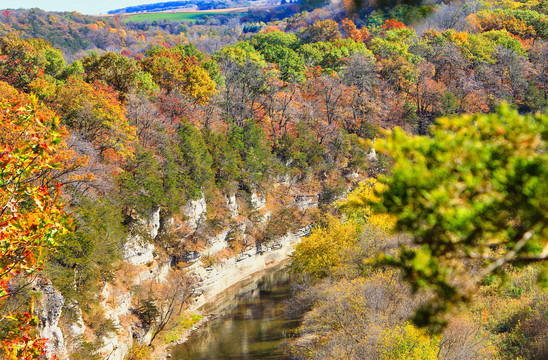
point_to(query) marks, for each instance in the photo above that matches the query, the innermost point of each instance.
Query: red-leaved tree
(31, 215)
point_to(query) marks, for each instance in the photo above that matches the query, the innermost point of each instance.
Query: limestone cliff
(251, 236)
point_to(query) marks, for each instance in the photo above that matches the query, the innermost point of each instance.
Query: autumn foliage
(154, 115)
(32, 218)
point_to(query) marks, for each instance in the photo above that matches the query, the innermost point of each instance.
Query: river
(250, 322)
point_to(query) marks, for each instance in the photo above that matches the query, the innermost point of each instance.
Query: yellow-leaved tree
(325, 249)
(31, 215)
(408, 342)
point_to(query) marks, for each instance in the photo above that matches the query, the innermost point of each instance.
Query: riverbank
(215, 281)
(249, 322)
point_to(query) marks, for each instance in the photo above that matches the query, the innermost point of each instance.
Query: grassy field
(190, 16)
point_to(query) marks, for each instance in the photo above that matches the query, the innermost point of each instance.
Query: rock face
(139, 249)
(116, 304)
(217, 243)
(215, 279)
(213, 270)
(232, 206)
(50, 309)
(257, 201)
(195, 212)
(75, 328)
(305, 202)
(153, 224)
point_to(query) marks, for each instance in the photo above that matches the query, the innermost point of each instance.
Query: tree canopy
(474, 189)
(31, 216)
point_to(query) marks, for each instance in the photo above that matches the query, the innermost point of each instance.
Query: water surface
(250, 325)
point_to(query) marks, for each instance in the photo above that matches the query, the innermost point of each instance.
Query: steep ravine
(144, 262)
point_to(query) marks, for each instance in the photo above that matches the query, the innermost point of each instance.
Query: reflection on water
(250, 325)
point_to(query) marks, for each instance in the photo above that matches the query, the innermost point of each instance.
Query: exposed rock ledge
(140, 253)
(214, 280)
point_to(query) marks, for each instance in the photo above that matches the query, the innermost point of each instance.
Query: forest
(419, 129)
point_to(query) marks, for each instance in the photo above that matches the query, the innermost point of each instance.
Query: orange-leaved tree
(31, 215)
(183, 69)
(93, 113)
